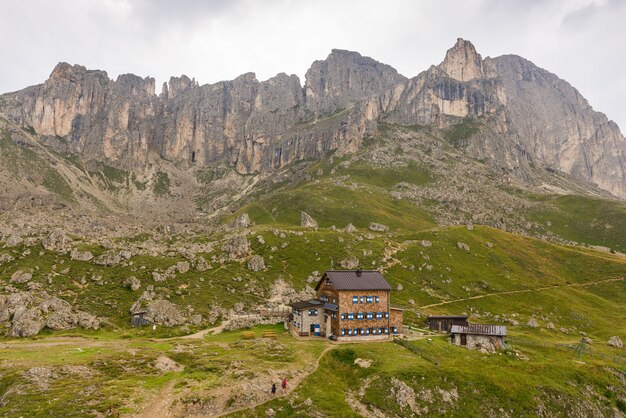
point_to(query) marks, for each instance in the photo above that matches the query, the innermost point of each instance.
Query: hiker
(285, 383)
(273, 388)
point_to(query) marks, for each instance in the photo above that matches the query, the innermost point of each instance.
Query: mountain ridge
(260, 126)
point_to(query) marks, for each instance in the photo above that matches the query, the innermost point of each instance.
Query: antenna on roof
(358, 273)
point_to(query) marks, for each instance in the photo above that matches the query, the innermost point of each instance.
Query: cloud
(211, 40)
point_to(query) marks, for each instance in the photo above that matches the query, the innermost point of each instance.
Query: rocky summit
(508, 113)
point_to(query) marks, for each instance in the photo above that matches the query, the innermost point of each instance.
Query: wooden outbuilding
(443, 323)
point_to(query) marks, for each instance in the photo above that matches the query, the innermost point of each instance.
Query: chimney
(358, 273)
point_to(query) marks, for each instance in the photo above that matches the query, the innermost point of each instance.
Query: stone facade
(489, 343)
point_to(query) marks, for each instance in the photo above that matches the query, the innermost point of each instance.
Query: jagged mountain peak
(462, 62)
(533, 118)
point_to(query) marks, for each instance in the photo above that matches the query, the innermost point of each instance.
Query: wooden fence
(588, 351)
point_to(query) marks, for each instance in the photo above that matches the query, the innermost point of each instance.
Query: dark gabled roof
(305, 304)
(448, 317)
(355, 280)
(479, 329)
(330, 307)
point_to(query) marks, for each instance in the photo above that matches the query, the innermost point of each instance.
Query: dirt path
(293, 384)
(160, 405)
(512, 292)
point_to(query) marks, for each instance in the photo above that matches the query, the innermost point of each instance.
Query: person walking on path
(273, 388)
(284, 384)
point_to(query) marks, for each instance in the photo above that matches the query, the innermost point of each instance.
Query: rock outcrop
(27, 313)
(307, 221)
(517, 115)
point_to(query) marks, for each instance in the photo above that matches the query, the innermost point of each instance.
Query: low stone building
(478, 336)
(350, 304)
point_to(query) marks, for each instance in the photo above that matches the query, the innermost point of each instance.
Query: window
(359, 315)
(343, 332)
(367, 331)
(334, 315)
(379, 315)
(350, 317)
(362, 331)
(386, 330)
(324, 298)
(343, 316)
(370, 315)
(312, 312)
(370, 299)
(355, 299)
(386, 315)
(362, 299)
(349, 331)
(377, 299)
(395, 330)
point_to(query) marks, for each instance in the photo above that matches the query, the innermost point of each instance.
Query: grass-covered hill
(462, 238)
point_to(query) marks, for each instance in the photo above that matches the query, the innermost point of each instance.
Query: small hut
(138, 319)
(478, 336)
(443, 323)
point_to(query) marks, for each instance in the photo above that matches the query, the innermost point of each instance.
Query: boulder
(87, 320)
(307, 221)
(13, 240)
(108, 258)
(6, 258)
(126, 254)
(21, 277)
(242, 221)
(349, 263)
(81, 255)
(163, 312)
(256, 263)
(57, 241)
(62, 320)
(132, 283)
(463, 246)
(532, 322)
(426, 243)
(182, 267)
(616, 342)
(166, 364)
(201, 264)
(236, 247)
(27, 323)
(195, 319)
(350, 229)
(376, 227)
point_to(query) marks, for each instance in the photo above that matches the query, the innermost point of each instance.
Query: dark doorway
(463, 339)
(193, 156)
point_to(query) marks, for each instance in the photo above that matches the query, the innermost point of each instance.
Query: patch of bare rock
(307, 221)
(27, 313)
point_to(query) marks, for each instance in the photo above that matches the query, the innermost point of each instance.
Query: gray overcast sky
(582, 41)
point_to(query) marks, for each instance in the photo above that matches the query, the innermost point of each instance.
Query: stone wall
(485, 343)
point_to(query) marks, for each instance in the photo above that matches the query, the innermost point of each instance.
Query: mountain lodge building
(350, 305)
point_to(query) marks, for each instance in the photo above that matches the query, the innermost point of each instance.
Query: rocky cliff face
(526, 116)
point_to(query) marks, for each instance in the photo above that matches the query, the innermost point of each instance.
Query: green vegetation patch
(585, 220)
(457, 134)
(161, 184)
